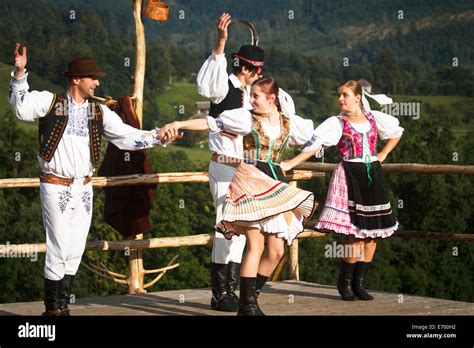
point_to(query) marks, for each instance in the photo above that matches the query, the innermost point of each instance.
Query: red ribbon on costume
(253, 62)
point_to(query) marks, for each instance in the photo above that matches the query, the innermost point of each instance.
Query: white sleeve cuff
(155, 141)
(18, 80)
(215, 124)
(314, 144)
(219, 57)
(396, 134)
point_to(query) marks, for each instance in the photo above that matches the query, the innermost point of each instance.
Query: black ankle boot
(248, 302)
(52, 302)
(261, 280)
(360, 274)
(344, 281)
(220, 300)
(65, 293)
(233, 276)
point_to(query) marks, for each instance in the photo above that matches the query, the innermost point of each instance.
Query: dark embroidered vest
(259, 143)
(53, 125)
(233, 100)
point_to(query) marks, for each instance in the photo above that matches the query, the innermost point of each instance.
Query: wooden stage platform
(277, 298)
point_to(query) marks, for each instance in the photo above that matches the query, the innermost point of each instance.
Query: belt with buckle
(49, 178)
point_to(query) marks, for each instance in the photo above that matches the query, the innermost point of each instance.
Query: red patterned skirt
(255, 200)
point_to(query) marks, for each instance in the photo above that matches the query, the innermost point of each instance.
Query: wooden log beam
(307, 171)
(143, 179)
(124, 180)
(163, 242)
(204, 239)
(140, 59)
(296, 175)
(399, 168)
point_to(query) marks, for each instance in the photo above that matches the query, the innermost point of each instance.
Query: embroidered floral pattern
(351, 144)
(219, 123)
(267, 150)
(22, 93)
(87, 201)
(77, 124)
(141, 144)
(64, 198)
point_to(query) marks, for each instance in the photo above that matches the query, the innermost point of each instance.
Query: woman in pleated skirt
(357, 203)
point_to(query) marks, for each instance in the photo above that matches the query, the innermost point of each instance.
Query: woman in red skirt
(357, 204)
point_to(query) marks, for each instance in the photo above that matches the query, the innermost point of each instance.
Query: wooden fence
(135, 279)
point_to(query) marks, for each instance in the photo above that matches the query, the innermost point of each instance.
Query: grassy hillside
(195, 154)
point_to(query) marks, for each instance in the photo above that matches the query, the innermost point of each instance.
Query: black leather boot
(248, 302)
(360, 274)
(51, 297)
(261, 280)
(65, 293)
(233, 276)
(219, 301)
(344, 281)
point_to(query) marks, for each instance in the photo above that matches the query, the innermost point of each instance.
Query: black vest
(52, 126)
(233, 100)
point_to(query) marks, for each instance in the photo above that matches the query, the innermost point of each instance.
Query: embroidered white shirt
(212, 82)
(240, 122)
(72, 157)
(329, 132)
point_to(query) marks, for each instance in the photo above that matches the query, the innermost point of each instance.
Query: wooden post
(294, 272)
(140, 59)
(137, 272)
(294, 268)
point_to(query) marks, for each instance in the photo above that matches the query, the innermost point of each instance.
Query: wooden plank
(398, 168)
(277, 298)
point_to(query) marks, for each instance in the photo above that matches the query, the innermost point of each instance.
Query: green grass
(195, 154)
(434, 100)
(180, 94)
(451, 103)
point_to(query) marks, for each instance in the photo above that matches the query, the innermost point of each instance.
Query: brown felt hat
(83, 67)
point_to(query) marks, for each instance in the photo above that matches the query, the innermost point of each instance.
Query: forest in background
(412, 61)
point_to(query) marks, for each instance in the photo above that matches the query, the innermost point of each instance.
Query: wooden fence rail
(304, 171)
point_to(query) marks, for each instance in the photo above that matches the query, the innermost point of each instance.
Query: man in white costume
(228, 92)
(70, 132)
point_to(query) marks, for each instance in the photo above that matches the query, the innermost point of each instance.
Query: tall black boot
(261, 280)
(233, 276)
(248, 301)
(65, 293)
(360, 274)
(344, 281)
(52, 302)
(220, 301)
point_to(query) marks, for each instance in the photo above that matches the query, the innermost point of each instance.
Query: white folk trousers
(223, 250)
(67, 216)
